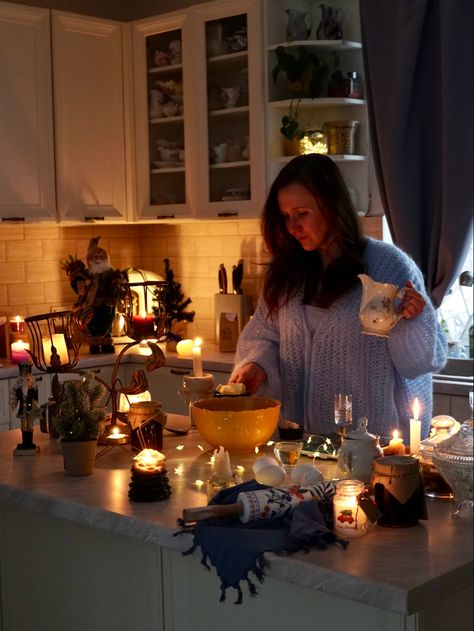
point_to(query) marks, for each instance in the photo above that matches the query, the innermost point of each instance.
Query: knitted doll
(98, 288)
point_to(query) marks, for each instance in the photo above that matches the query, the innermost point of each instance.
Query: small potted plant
(307, 76)
(79, 422)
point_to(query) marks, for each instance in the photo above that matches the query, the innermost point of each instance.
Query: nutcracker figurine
(24, 395)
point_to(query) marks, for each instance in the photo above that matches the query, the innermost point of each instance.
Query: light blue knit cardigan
(384, 375)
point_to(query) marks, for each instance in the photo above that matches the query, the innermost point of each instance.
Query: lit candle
(395, 446)
(117, 437)
(184, 348)
(349, 519)
(19, 352)
(17, 324)
(59, 342)
(149, 461)
(415, 429)
(197, 358)
(144, 325)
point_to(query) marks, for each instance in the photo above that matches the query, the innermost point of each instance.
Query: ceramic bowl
(239, 424)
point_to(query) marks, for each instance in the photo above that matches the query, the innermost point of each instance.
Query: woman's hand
(251, 375)
(412, 303)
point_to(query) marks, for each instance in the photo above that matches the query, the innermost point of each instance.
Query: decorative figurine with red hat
(97, 287)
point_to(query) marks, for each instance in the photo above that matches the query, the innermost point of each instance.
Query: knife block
(232, 303)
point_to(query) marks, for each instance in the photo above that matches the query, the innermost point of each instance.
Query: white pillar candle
(415, 429)
(19, 353)
(197, 358)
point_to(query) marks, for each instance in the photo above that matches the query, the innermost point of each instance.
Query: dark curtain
(418, 70)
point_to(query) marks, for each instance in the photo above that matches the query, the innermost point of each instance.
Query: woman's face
(303, 217)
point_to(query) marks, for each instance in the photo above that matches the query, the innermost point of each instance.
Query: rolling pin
(262, 504)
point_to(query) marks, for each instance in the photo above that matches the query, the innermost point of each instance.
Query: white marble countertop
(400, 570)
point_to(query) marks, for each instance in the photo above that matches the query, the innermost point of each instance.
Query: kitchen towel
(237, 550)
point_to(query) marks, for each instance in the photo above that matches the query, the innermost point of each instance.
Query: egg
(306, 474)
(274, 475)
(263, 463)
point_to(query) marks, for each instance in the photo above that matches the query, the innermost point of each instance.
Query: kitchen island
(77, 555)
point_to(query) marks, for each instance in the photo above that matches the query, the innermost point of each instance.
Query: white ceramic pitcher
(378, 307)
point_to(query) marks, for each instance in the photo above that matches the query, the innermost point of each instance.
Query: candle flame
(416, 409)
(199, 483)
(115, 431)
(197, 341)
(257, 450)
(17, 318)
(240, 468)
(396, 434)
(180, 447)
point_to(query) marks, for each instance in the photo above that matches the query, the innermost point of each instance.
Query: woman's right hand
(251, 375)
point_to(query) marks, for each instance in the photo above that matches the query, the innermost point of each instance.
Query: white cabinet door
(187, 106)
(164, 112)
(89, 117)
(4, 405)
(26, 115)
(229, 137)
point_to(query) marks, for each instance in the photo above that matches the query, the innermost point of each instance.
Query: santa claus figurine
(98, 289)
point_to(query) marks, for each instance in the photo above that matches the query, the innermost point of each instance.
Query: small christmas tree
(80, 417)
(171, 300)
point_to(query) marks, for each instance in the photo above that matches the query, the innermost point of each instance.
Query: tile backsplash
(32, 281)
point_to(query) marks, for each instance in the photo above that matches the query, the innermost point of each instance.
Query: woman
(304, 343)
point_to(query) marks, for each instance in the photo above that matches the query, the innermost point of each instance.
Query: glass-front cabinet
(199, 112)
(162, 131)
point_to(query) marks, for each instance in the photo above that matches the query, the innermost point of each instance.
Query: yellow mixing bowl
(236, 423)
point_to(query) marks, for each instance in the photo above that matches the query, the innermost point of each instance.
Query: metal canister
(398, 491)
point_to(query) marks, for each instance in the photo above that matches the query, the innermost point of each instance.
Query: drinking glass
(288, 452)
(343, 410)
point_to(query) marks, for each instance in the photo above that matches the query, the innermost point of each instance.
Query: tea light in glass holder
(17, 324)
(350, 521)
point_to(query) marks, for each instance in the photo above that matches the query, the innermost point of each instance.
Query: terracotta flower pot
(79, 457)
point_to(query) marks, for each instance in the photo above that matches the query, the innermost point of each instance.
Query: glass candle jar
(350, 521)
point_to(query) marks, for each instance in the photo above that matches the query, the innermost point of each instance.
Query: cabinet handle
(177, 371)
(94, 218)
(165, 216)
(231, 214)
(14, 219)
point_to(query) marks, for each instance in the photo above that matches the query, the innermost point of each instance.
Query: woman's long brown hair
(291, 268)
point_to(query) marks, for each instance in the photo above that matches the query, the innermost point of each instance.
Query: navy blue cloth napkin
(237, 550)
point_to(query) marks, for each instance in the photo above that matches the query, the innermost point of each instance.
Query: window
(455, 312)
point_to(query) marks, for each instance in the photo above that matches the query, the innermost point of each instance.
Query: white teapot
(378, 307)
(357, 451)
